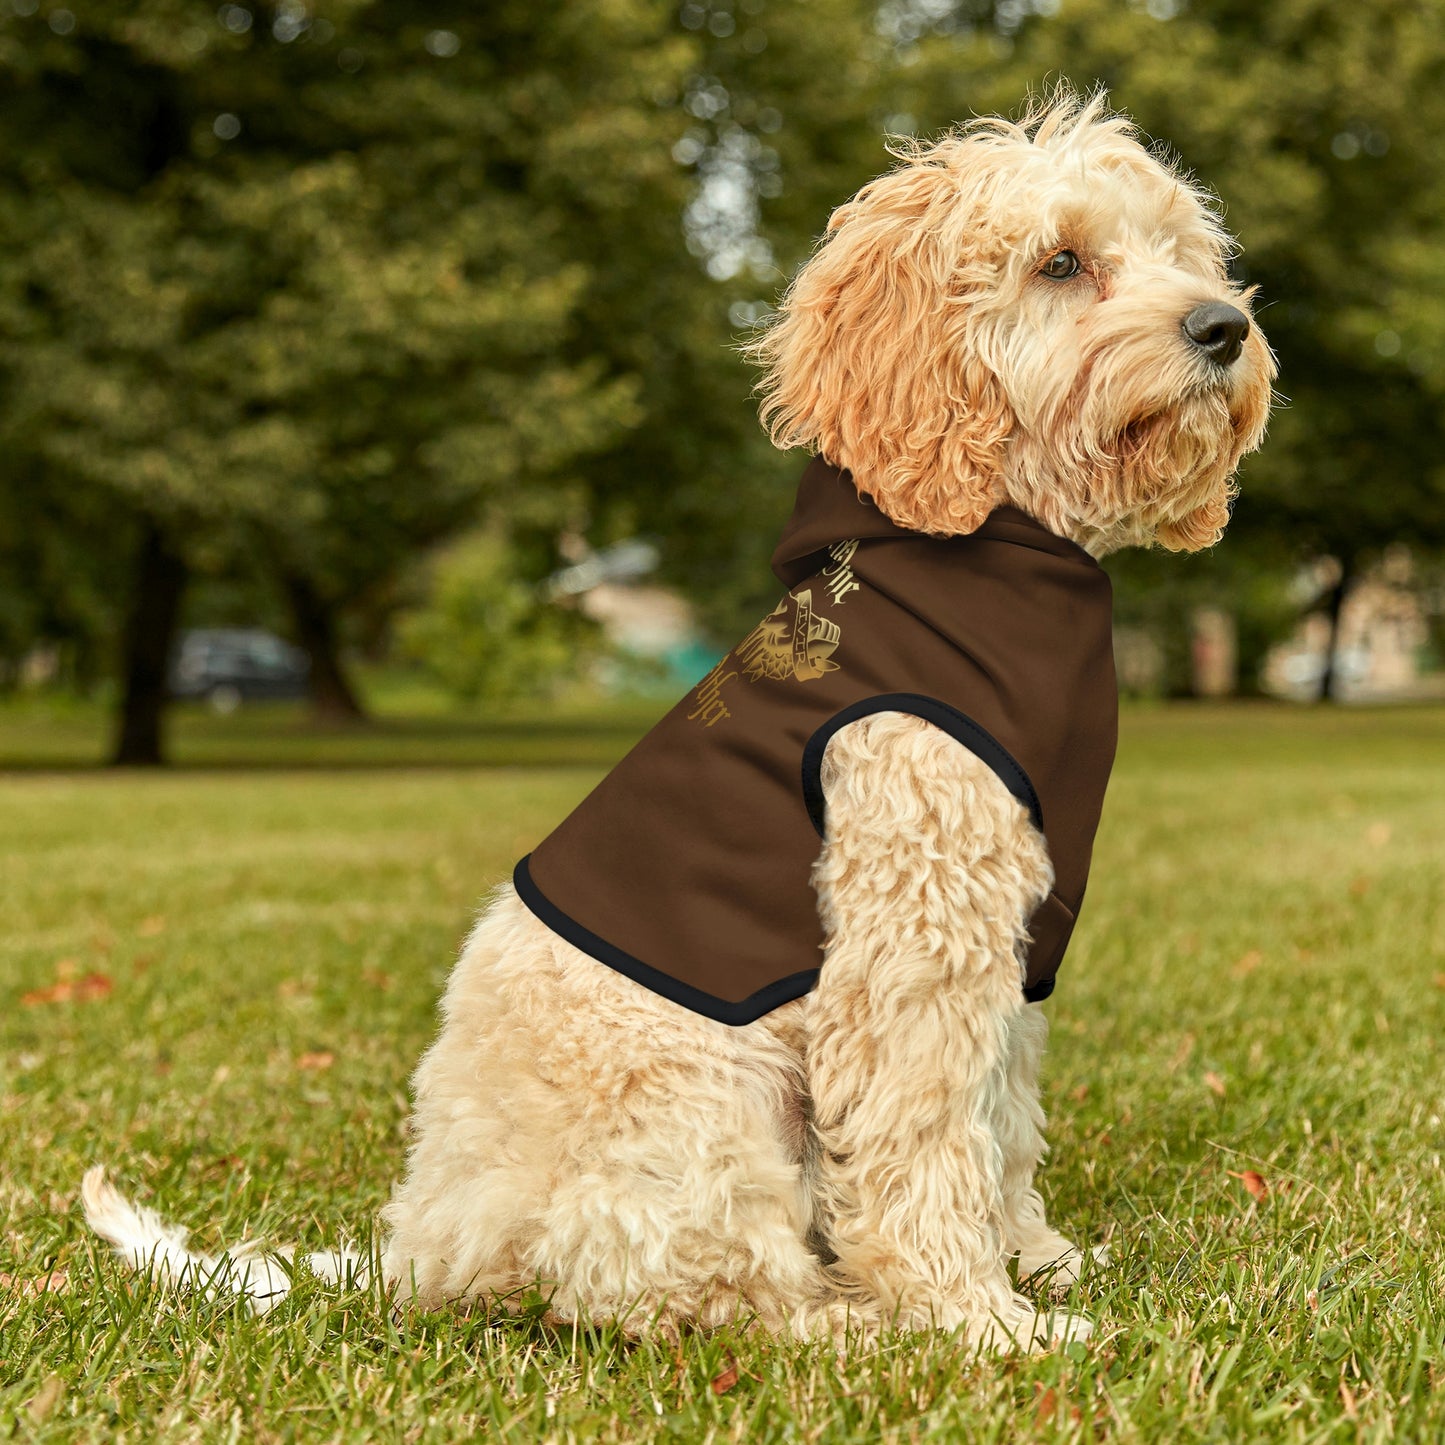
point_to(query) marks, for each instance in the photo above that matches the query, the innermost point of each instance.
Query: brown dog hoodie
(687, 867)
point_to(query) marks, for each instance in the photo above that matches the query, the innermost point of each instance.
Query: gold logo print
(838, 578)
(710, 707)
(791, 642)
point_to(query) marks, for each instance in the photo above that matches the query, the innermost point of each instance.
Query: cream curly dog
(1034, 315)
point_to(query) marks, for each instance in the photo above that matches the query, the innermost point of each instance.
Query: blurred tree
(296, 282)
(1318, 122)
(780, 117)
(321, 284)
(486, 633)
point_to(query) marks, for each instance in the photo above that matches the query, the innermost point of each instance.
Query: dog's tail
(146, 1242)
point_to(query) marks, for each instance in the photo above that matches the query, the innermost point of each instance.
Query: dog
(1027, 319)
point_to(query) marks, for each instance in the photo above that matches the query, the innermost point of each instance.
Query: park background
(408, 333)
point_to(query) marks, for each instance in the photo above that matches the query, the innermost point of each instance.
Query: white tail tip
(147, 1243)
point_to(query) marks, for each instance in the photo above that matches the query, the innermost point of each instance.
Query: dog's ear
(873, 359)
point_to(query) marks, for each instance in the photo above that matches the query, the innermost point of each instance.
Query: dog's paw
(1057, 1268)
(1023, 1326)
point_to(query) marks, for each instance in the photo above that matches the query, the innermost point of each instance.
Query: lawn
(216, 980)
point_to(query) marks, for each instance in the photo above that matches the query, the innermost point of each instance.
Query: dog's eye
(1060, 266)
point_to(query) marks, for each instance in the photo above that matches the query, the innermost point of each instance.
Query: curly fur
(921, 348)
(866, 1155)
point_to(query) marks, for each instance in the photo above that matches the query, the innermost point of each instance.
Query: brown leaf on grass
(1248, 963)
(56, 1282)
(1214, 1083)
(81, 990)
(1046, 1408)
(724, 1382)
(151, 927)
(318, 1060)
(1254, 1183)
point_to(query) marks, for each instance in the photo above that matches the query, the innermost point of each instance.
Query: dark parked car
(231, 665)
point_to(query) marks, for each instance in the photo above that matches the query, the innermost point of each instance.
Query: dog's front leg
(1019, 1126)
(928, 874)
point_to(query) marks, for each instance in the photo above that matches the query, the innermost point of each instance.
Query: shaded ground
(217, 981)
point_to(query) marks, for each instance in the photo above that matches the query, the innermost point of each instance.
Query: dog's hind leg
(928, 874)
(580, 1136)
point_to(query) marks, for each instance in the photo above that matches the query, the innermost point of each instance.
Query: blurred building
(656, 642)
(1382, 648)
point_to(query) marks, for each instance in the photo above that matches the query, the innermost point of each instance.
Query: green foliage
(316, 286)
(1317, 121)
(484, 632)
(1160, 592)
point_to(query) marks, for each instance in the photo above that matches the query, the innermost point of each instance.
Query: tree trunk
(333, 699)
(150, 630)
(1329, 679)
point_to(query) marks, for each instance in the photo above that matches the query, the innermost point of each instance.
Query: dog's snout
(1218, 331)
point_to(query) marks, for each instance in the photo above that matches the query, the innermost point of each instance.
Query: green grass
(1256, 985)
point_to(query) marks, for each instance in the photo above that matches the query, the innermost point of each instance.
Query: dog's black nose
(1218, 331)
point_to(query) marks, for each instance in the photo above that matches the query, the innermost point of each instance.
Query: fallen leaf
(151, 927)
(56, 993)
(1214, 1083)
(724, 1382)
(1254, 1182)
(56, 1282)
(1248, 963)
(320, 1059)
(83, 990)
(1047, 1408)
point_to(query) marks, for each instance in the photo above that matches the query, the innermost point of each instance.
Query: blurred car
(227, 666)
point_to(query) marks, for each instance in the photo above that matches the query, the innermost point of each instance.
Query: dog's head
(1033, 312)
